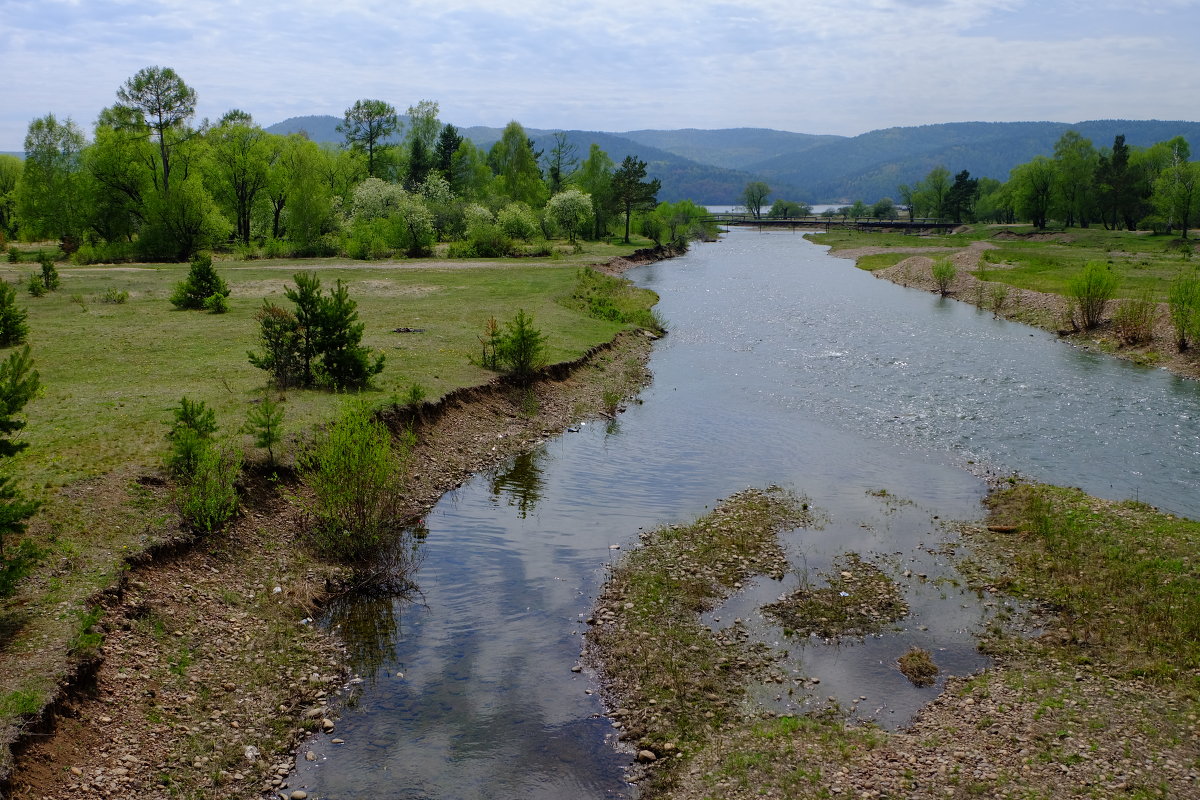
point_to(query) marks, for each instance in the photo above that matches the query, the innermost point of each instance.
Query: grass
(120, 368)
(1124, 577)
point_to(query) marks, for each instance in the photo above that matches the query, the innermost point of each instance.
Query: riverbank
(1045, 310)
(1094, 690)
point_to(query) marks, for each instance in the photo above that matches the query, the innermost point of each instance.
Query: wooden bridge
(860, 223)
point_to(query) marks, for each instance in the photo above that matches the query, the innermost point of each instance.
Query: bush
(190, 434)
(114, 296)
(14, 255)
(13, 328)
(943, 275)
(201, 283)
(103, 253)
(208, 497)
(354, 476)
(1183, 299)
(35, 285)
(1134, 319)
(615, 299)
(49, 273)
(216, 304)
(521, 349)
(1089, 293)
(518, 221)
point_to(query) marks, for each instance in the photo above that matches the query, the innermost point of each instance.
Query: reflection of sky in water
(783, 366)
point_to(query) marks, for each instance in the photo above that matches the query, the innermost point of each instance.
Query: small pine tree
(19, 382)
(36, 285)
(191, 434)
(201, 283)
(49, 273)
(13, 328)
(522, 348)
(265, 420)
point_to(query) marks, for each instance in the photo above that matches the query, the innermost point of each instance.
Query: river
(783, 366)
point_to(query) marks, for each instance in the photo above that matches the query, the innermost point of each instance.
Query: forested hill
(712, 166)
(870, 166)
(681, 177)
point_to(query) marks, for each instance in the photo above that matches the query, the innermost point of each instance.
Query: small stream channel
(783, 366)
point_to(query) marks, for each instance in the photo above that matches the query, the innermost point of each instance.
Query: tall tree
(49, 196)
(240, 155)
(516, 166)
(1119, 186)
(561, 162)
(1177, 190)
(960, 199)
(1034, 182)
(1075, 161)
(930, 193)
(119, 166)
(367, 126)
(631, 189)
(421, 137)
(165, 103)
(10, 174)
(754, 196)
(595, 178)
(443, 155)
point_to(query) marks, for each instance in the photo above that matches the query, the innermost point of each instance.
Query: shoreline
(1037, 309)
(208, 670)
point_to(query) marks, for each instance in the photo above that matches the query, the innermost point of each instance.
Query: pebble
(299, 794)
(646, 756)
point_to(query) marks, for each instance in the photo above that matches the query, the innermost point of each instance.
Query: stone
(327, 725)
(310, 756)
(299, 794)
(646, 756)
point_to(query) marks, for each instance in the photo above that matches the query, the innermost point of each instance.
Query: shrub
(216, 304)
(354, 476)
(190, 434)
(280, 336)
(14, 255)
(521, 349)
(201, 283)
(114, 296)
(1089, 293)
(264, 420)
(35, 285)
(207, 497)
(49, 273)
(997, 296)
(943, 275)
(1134, 319)
(518, 221)
(13, 328)
(1183, 299)
(415, 395)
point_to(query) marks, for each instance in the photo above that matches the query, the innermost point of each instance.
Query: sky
(810, 66)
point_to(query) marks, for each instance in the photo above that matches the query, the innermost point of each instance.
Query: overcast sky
(812, 66)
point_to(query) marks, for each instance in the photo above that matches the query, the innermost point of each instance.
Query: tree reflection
(521, 482)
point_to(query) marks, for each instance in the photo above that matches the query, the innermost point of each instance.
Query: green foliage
(367, 126)
(19, 382)
(611, 298)
(1133, 320)
(1090, 292)
(943, 274)
(14, 255)
(207, 496)
(354, 475)
(265, 421)
(754, 195)
(318, 345)
(1183, 300)
(201, 283)
(788, 209)
(190, 435)
(517, 221)
(35, 285)
(50, 277)
(416, 394)
(216, 304)
(631, 191)
(115, 296)
(521, 349)
(13, 328)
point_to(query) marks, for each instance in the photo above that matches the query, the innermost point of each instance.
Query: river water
(783, 366)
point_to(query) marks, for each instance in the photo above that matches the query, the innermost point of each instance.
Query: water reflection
(369, 626)
(520, 482)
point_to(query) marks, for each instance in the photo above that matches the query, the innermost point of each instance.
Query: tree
(631, 189)
(1119, 188)
(19, 382)
(10, 175)
(960, 199)
(561, 163)
(118, 181)
(521, 349)
(320, 343)
(1090, 292)
(788, 209)
(1177, 190)
(1034, 184)
(13, 328)
(884, 208)
(240, 154)
(50, 196)
(202, 282)
(1075, 162)
(929, 195)
(443, 155)
(754, 195)
(570, 210)
(516, 167)
(595, 178)
(366, 127)
(164, 103)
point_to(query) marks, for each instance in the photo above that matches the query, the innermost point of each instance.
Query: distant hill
(870, 166)
(733, 148)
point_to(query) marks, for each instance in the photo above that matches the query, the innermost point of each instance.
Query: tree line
(152, 184)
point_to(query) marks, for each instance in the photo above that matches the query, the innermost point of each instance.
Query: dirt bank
(210, 668)
(1048, 311)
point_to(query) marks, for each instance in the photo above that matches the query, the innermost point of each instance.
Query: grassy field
(112, 372)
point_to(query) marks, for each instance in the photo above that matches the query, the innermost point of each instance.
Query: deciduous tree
(754, 195)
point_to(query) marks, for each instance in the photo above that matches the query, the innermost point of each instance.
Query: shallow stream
(783, 366)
